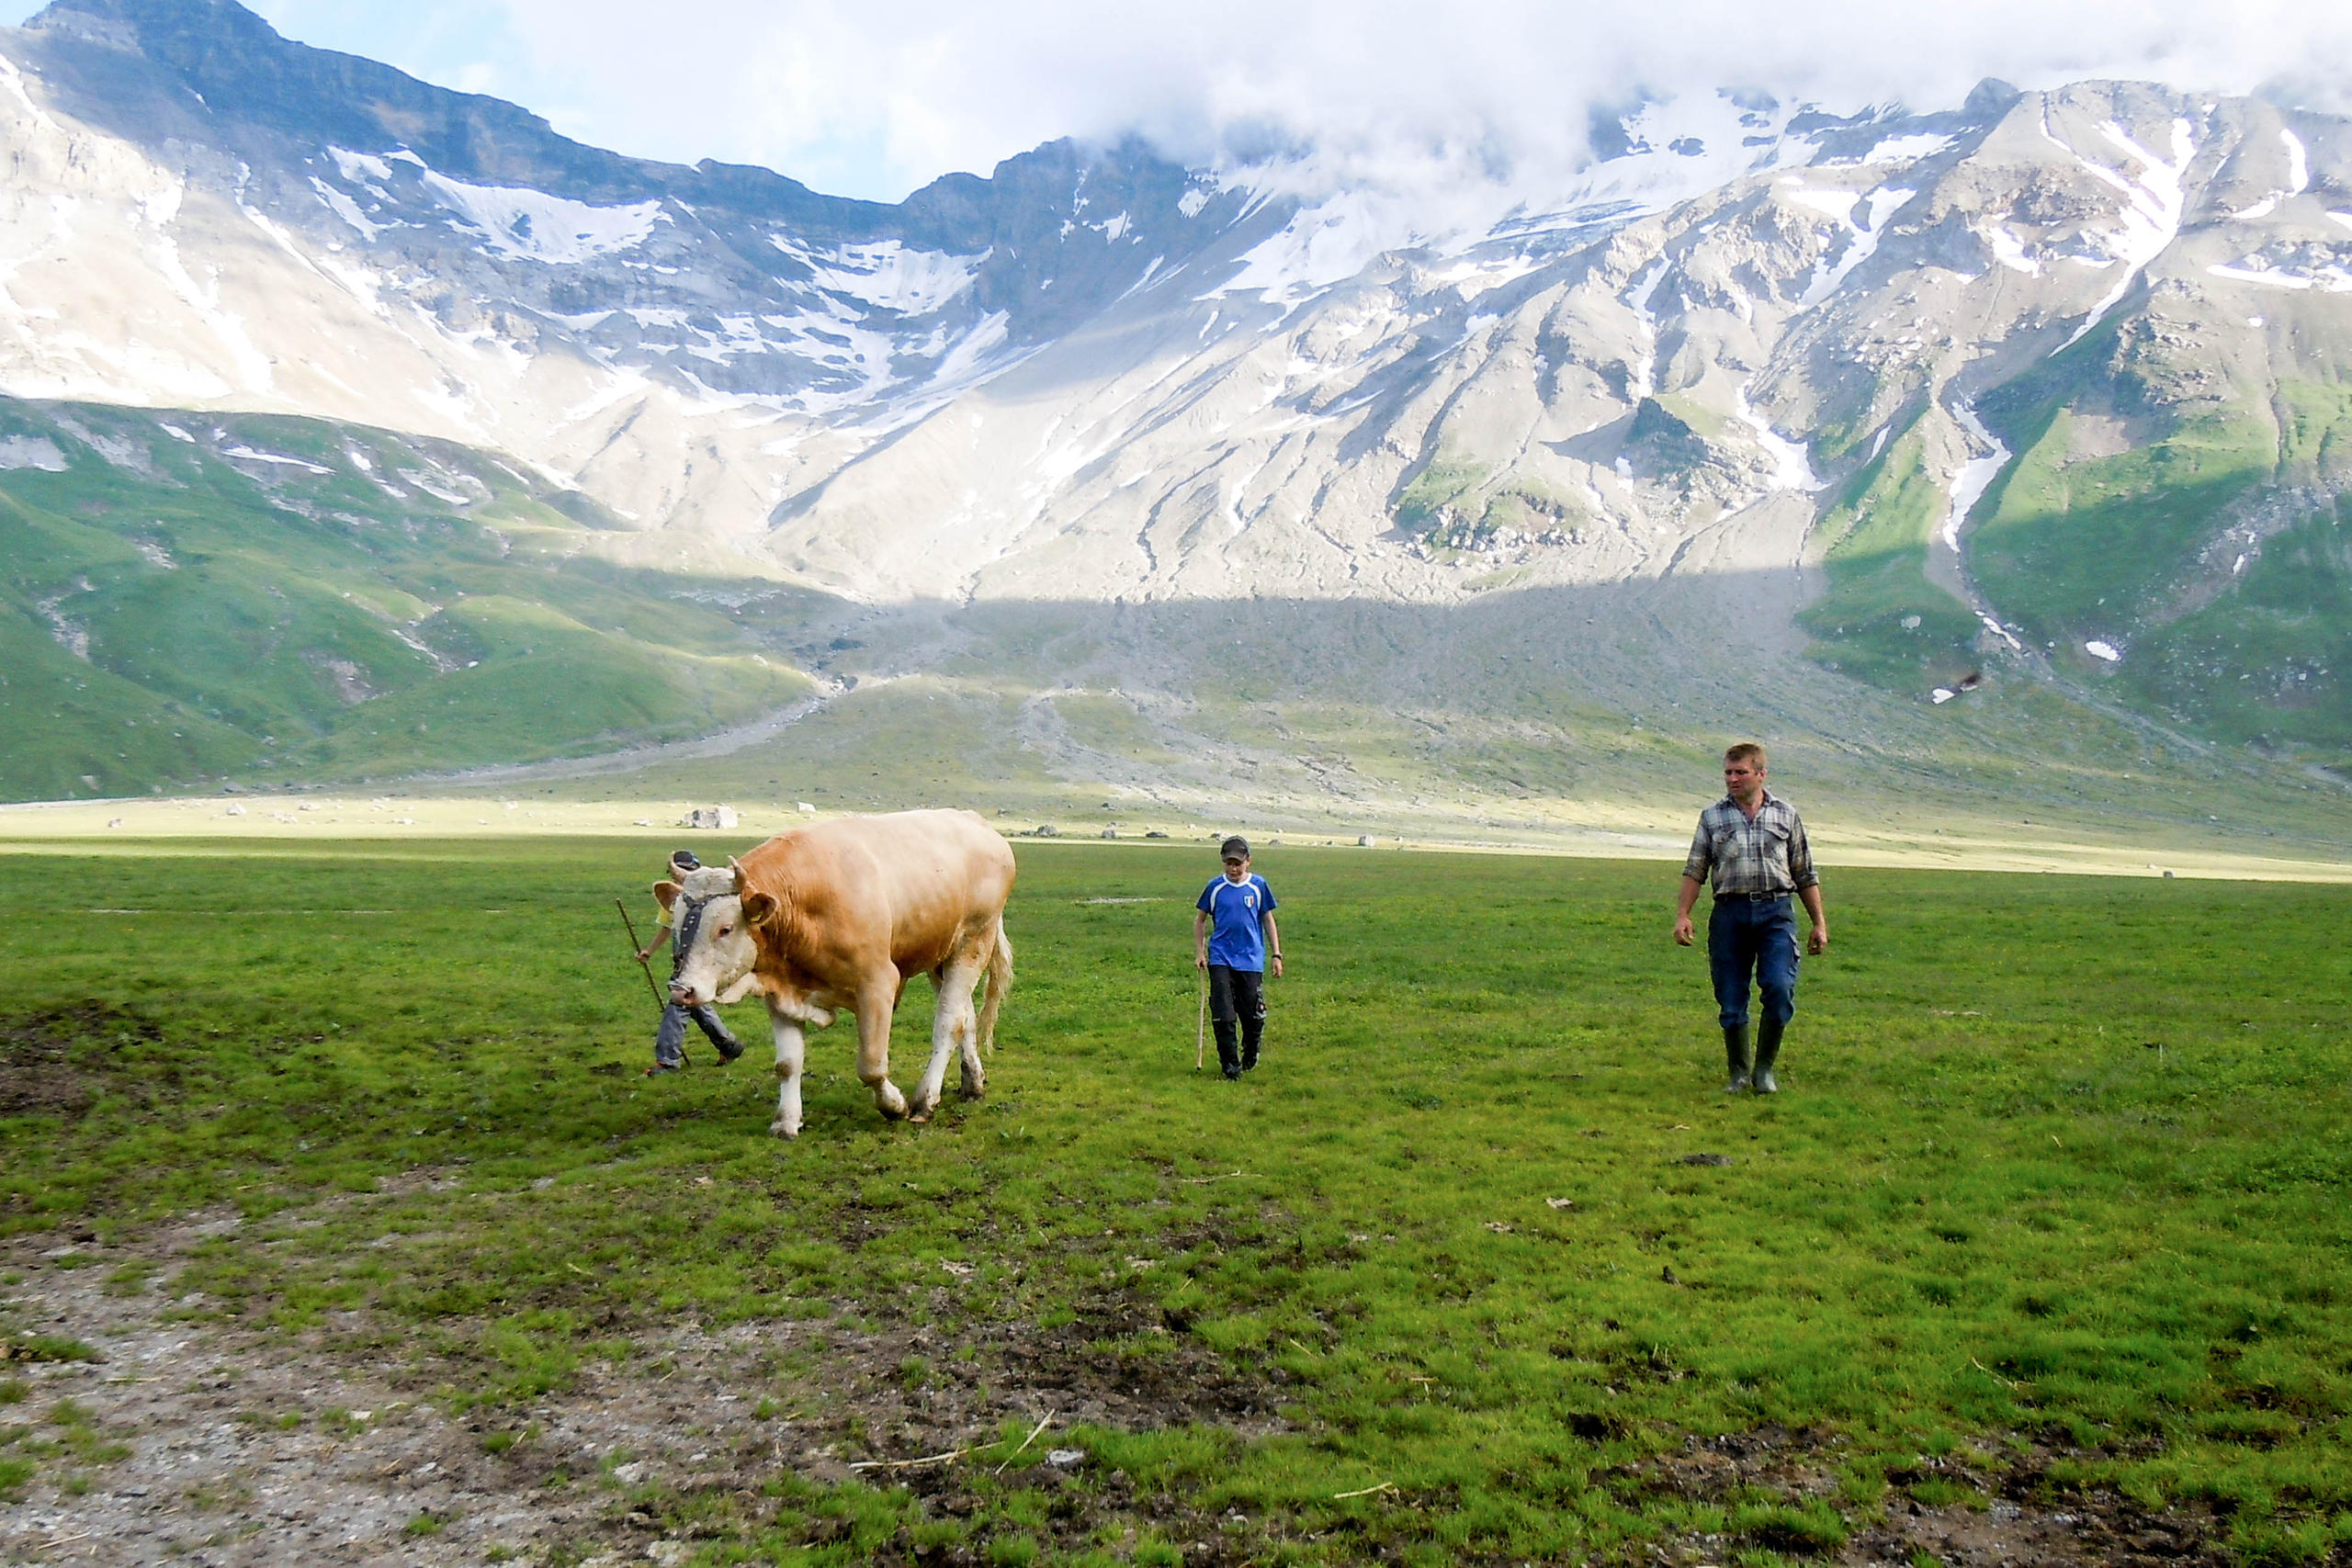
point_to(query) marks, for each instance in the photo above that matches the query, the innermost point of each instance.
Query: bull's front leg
(874, 1000)
(791, 1055)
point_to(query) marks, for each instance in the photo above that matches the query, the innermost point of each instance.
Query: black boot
(1736, 1053)
(1228, 1051)
(1768, 1051)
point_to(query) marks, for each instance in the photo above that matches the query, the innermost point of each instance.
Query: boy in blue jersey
(1233, 936)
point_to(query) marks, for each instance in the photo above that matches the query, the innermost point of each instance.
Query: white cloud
(872, 100)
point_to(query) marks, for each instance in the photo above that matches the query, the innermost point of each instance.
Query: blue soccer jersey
(1234, 908)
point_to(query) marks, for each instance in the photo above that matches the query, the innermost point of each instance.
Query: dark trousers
(1758, 937)
(1237, 1005)
(669, 1045)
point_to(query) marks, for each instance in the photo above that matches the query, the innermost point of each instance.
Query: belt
(1750, 897)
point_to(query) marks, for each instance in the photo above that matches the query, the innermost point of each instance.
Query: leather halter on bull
(685, 921)
(697, 891)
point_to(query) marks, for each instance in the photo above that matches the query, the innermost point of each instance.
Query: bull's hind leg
(873, 1045)
(952, 1029)
(791, 1054)
(984, 971)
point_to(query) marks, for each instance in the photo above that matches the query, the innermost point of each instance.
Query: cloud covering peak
(874, 100)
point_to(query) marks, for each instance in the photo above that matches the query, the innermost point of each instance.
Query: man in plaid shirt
(1754, 846)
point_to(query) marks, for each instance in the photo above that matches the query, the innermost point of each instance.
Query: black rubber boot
(1736, 1053)
(1768, 1051)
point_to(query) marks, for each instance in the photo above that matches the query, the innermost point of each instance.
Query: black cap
(1235, 845)
(685, 860)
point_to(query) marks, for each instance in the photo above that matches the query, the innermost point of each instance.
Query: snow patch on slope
(887, 274)
(2332, 277)
(2298, 163)
(1792, 465)
(343, 207)
(2152, 210)
(531, 225)
(1862, 238)
(1976, 476)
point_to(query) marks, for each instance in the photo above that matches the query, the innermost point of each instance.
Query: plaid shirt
(1767, 855)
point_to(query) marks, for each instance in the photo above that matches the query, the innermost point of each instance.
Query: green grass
(1881, 620)
(1436, 490)
(2058, 1183)
(171, 613)
(2075, 542)
(2270, 660)
(2072, 545)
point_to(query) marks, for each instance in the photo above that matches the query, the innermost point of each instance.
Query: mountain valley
(1987, 462)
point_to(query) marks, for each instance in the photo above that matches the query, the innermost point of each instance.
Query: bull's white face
(716, 946)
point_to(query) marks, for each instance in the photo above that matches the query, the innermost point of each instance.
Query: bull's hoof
(975, 1091)
(917, 1118)
(782, 1131)
(888, 1101)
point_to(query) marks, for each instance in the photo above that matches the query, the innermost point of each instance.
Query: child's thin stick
(1200, 1035)
(637, 952)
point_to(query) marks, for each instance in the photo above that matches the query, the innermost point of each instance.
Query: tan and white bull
(837, 917)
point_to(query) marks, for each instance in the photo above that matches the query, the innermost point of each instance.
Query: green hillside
(2201, 537)
(1882, 619)
(181, 597)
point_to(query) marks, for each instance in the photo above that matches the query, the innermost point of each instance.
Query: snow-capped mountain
(2033, 382)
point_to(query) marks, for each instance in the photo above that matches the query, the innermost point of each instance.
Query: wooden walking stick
(637, 950)
(1200, 1035)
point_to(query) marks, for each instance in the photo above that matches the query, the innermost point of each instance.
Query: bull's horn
(737, 867)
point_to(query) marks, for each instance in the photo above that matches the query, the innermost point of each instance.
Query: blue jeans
(670, 1040)
(1753, 936)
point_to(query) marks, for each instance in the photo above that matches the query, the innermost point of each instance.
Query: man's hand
(1278, 966)
(1682, 907)
(643, 953)
(1818, 943)
(1201, 959)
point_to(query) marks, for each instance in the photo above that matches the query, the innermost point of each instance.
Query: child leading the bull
(670, 1040)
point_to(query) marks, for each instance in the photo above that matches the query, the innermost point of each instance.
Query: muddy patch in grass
(59, 1063)
(1970, 1509)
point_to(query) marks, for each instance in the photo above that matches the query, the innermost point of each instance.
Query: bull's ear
(666, 893)
(758, 909)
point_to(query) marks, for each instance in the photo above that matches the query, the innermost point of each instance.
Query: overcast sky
(873, 99)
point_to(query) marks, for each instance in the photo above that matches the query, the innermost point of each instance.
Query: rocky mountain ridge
(2045, 387)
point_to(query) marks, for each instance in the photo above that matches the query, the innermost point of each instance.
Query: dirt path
(196, 1442)
(636, 758)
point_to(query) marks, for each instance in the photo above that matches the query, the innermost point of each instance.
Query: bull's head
(714, 922)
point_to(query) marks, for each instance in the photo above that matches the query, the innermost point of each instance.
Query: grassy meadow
(277, 597)
(2053, 1202)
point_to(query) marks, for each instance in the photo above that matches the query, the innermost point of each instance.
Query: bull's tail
(1000, 980)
